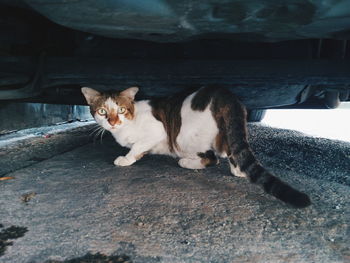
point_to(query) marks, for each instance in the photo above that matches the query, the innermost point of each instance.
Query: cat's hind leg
(236, 171)
(200, 161)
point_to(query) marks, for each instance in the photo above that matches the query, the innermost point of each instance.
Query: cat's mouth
(113, 128)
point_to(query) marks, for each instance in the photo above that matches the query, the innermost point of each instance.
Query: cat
(196, 126)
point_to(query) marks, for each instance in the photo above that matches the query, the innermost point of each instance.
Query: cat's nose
(113, 121)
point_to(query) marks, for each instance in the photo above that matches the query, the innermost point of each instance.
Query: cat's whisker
(97, 134)
(93, 133)
(102, 133)
(94, 127)
(97, 129)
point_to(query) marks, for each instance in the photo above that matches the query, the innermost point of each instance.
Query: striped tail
(244, 163)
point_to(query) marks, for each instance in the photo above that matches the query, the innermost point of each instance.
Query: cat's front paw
(123, 161)
(191, 163)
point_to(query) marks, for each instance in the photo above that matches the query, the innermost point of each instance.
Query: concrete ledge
(17, 116)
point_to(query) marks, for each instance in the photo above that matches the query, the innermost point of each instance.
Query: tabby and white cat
(194, 126)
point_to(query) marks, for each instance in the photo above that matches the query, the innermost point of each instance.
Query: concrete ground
(64, 201)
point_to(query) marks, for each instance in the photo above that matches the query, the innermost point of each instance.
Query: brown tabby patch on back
(168, 111)
(226, 109)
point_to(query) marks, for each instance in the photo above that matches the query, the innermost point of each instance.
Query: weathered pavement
(155, 211)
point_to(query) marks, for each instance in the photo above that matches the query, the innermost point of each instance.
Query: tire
(255, 115)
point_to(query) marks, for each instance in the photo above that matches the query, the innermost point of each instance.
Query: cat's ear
(130, 92)
(90, 94)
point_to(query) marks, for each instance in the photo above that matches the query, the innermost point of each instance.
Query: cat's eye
(102, 111)
(121, 110)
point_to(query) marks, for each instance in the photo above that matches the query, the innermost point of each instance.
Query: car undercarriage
(292, 55)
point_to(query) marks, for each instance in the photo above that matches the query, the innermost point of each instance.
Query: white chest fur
(144, 127)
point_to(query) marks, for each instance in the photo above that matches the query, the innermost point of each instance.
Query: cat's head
(111, 110)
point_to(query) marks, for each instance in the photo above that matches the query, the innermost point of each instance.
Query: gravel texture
(155, 211)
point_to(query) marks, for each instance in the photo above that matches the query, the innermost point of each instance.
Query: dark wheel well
(255, 115)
